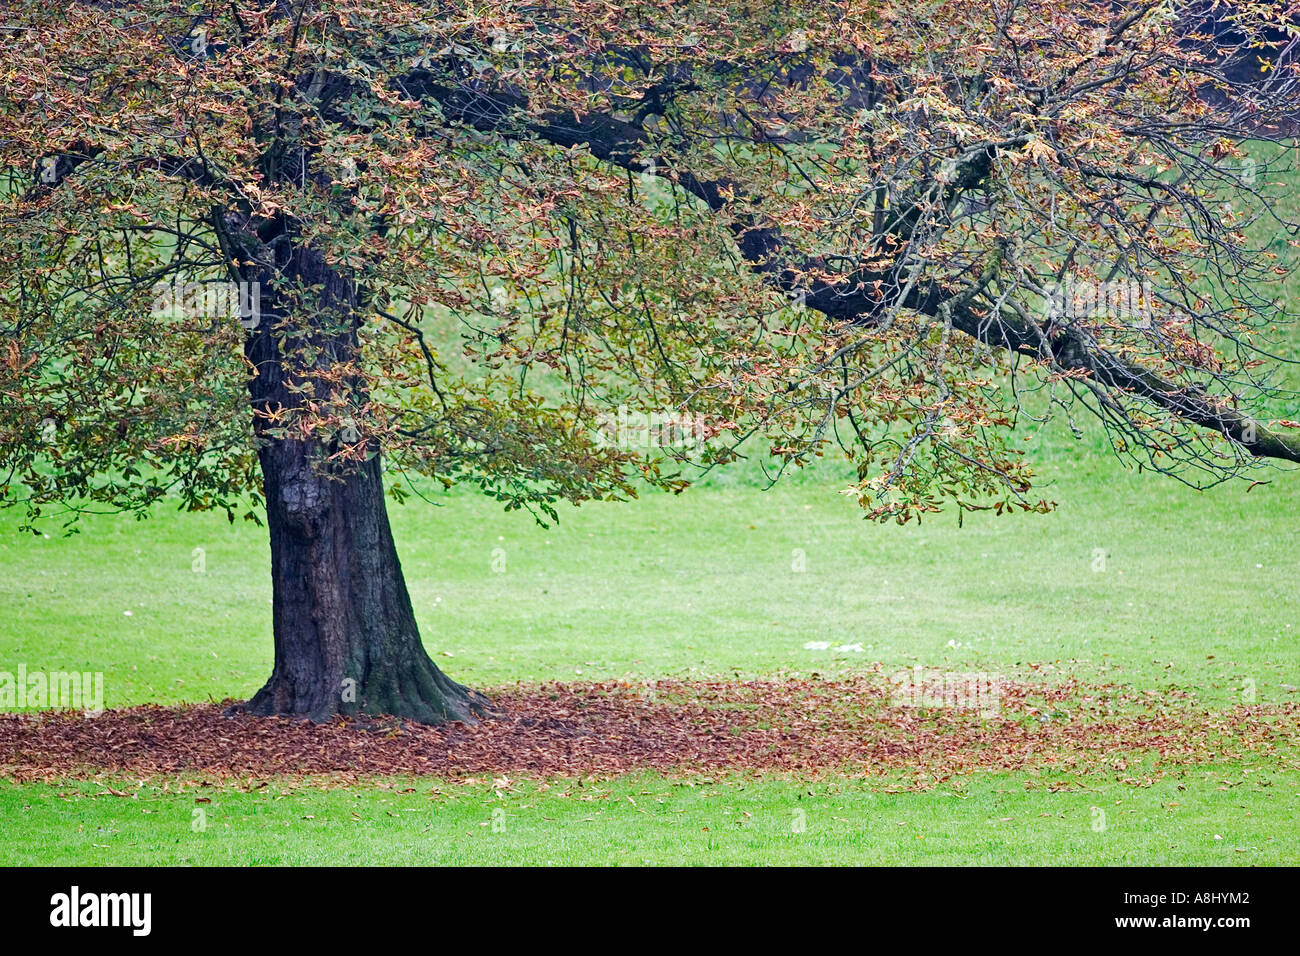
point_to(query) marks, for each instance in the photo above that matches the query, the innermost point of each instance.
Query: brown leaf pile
(811, 728)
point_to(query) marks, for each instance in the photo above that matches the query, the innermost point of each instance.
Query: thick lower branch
(625, 144)
(1068, 351)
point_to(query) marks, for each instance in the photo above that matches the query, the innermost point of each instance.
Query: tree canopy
(869, 223)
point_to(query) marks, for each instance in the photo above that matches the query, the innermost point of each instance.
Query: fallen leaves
(811, 728)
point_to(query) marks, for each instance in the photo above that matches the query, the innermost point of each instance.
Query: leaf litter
(814, 728)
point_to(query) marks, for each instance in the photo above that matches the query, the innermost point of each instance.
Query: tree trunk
(346, 641)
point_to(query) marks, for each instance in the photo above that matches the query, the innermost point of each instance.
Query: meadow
(1134, 581)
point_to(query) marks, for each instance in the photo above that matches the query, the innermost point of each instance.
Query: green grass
(1197, 590)
(1135, 579)
(1218, 817)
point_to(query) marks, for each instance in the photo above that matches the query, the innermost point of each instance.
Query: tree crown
(558, 249)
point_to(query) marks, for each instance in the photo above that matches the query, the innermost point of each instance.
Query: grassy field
(1134, 580)
(1220, 817)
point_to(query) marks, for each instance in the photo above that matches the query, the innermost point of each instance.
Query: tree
(257, 257)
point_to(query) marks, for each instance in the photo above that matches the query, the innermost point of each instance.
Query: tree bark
(346, 640)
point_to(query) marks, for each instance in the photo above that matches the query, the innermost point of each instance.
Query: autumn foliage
(829, 223)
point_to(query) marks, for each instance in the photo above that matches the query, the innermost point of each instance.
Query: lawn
(1221, 817)
(1134, 580)
(1136, 585)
